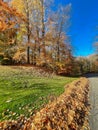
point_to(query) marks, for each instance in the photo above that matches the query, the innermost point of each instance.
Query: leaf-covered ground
(24, 90)
(68, 112)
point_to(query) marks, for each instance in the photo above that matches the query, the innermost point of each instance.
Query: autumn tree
(42, 36)
(10, 18)
(93, 60)
(6, 13)
(59, 21)
(26, 8)
(41, 15)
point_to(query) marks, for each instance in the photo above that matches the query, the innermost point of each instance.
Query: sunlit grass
(23, 90)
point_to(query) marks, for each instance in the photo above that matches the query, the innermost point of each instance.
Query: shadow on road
(91, 75)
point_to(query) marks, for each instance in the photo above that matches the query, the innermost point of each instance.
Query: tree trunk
(58, 41)
(43, 29)
(28, 55)
(28, 44)
(28, 35)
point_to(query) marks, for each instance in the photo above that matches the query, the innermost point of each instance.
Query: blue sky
(84, 20)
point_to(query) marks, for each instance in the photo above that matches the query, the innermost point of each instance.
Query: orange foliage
(5, 13)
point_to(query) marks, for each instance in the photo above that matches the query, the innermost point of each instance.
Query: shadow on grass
(70, 76)
(40, 86)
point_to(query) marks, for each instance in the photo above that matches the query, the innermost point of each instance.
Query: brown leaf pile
(68, 112)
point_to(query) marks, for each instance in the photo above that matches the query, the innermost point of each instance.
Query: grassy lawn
(24, 90)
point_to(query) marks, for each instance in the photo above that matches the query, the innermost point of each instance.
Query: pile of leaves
(68, 112)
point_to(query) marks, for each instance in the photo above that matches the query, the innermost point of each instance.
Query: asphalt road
(93, 78)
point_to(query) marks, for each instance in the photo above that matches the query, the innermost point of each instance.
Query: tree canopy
(31, 32)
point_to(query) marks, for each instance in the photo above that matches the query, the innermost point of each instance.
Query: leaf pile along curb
(68, 112)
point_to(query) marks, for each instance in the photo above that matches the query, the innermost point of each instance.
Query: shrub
(1, 56)
(6, 61)
(19, 57)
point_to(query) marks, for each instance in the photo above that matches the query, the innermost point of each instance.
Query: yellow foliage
(24, 5)
(19, 5)
(20, 56)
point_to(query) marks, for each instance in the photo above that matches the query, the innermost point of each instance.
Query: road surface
(93, 78)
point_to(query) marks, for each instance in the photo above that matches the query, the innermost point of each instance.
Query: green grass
(24, 90)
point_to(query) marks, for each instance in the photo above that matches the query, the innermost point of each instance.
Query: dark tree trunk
(58, 42)
(28, 34)
(28, 55)
(28, 45)
(58, 52)
(43, 29)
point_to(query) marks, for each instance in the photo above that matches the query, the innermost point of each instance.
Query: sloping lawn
(24, 90)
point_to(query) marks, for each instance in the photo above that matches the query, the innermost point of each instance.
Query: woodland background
(33, 32)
